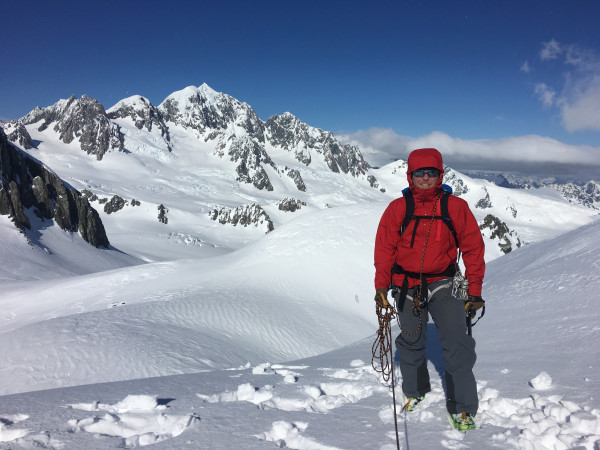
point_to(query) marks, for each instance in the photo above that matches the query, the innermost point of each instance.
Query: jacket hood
(424, 157)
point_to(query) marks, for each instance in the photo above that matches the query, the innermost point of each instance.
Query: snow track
(301, 405)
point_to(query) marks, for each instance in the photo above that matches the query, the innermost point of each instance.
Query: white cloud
(379, 146)
(525, 67)
(511, 153)
(545, 93)
(550, 50)
(582, 110)
(578, 92)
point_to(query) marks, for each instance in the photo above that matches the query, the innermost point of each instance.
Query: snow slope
(537, 369)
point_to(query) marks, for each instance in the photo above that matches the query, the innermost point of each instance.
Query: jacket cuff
(474, 289)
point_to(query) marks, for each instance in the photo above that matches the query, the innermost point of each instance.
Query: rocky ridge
(233, 126)
(143, 114)
(245, 215)
(84, 120)
(26, 185)
(587, 194)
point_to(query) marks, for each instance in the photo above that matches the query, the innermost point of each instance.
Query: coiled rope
(382, 349)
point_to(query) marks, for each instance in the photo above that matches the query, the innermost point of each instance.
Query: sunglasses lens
(432, 173)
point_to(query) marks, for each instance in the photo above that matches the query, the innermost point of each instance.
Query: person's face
(427, 181)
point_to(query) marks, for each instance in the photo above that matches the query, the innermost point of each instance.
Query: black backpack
(410, 213)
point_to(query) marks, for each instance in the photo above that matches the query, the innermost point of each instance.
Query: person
(418, 264)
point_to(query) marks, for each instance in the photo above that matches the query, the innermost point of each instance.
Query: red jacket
(441, 249)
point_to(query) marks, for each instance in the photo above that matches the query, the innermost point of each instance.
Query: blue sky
(472, 70)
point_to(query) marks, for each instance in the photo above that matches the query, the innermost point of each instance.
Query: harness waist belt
(449, 272)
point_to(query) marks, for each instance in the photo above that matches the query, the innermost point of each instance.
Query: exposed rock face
(485, 202)
(458, 185)
(298, 181)
(250, 156)
(115, 204)
(246, 215)
(144, 115)
(497, 229)
(82, 119)
(16, 132)
(288, 132)
(587, 195)
(230, 125)
(290, 204)
(242, 136)
(233, 125)
(162, 214)
(207, 111)
(27, 184)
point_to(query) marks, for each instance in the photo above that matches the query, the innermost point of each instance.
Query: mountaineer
(416, 254)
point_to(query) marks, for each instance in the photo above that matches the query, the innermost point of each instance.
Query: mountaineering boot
(412, 403)
(462, 422)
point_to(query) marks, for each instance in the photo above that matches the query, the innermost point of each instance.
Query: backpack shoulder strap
(445, 214)
(410, 208)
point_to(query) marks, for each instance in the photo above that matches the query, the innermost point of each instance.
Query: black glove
(472, 305)
(381, 295)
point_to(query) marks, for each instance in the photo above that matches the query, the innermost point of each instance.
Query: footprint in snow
(287, 372)
(318, 398)
(139, 419)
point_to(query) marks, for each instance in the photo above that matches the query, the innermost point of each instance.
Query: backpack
(451, 270)
(410, 213)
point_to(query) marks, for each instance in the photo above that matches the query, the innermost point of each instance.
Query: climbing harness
(420, 295)
(382, 349)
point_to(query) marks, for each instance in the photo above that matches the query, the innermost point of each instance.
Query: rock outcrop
(496, 229)
(288, 132)
(245, 215)
(290, 204)
(26, 185)
(82, 119)
(143, 114)
(485, 202)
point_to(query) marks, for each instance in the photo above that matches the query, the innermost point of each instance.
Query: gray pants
(448, 314)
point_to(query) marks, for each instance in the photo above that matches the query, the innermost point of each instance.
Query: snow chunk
(541, 382)
(135, 419)
(129, 403)
(287, 434)
(7, 433)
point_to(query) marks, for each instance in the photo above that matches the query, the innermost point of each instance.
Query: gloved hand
(472, 304)
(381, 294)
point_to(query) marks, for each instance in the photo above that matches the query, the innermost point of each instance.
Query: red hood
(424, 157)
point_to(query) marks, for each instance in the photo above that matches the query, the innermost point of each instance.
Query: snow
(535, 391)
(196, 335)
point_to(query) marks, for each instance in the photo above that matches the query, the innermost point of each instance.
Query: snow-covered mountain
(584, 193)
(203, 172)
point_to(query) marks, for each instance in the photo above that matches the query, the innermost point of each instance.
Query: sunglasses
(432, 173)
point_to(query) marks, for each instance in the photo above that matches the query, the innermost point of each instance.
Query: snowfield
(238, 344)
